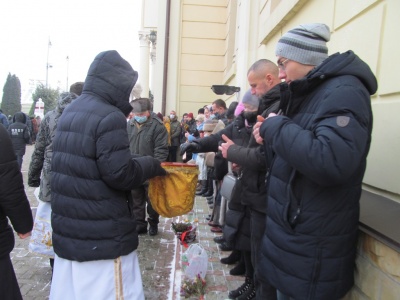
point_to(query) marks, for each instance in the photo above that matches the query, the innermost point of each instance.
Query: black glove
(33, 182)
(150, 167)
(189, 148)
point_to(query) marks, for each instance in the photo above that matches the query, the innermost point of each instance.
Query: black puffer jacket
(92, 168)
(13, 201)
(320, 146)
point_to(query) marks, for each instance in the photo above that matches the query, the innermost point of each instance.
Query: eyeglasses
(281, 64)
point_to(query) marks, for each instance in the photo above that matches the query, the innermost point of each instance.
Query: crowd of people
(296, 143)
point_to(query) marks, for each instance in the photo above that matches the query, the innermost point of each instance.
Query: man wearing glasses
(317, 151)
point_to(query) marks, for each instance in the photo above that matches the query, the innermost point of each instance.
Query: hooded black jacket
(92, 168)
(19, 133)
(320, 146)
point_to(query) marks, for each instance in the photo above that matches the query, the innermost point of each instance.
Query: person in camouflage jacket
(41, 156)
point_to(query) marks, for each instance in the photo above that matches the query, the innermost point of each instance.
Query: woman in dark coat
(14, 205)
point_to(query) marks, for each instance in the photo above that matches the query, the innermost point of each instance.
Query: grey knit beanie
(250, 99)
(305, 44)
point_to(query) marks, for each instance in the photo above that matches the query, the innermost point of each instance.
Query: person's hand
(256, 130)
(225, 146)
(158, 169)
(189, 148)
(24, 235)
(34, 183)
(235, 167)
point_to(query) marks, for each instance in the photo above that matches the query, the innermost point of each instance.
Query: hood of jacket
(338, 64)
(19, 117)
(64, 99)
(111, 78)
(270, 97)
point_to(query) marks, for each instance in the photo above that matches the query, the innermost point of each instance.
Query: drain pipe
(166, 51)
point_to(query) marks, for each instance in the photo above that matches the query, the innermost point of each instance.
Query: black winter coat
(92, 168)
(237, 231)
(13, 201)
(19, 133)
(252, 158)
(320, 146)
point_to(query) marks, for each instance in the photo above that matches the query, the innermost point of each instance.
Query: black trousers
(172, 153)
(9, 289)
(140, 197)
(257, 224)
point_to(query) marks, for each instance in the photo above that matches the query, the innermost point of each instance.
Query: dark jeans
(263, 289)
(140, 198)
(20, 160)
(9, 289)
(172, 153)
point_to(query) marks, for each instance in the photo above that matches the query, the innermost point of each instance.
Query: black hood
(19, 117)
(347, 63)
(112, 78)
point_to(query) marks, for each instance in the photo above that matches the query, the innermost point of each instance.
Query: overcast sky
(79, 29)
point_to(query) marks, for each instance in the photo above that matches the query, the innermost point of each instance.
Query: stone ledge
(379, 218)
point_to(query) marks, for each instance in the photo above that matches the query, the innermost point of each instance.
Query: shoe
(219, 239)
(250, 294)
(241, 290)
(210, 198)
(239, 269)
(225, 247)
(142, 230)
(211, 223)
(204, 188)
(210, 201)
(208, 193)
(216, 229)
(233, 258)
(153, 230)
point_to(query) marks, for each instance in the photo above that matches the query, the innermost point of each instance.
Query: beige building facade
(201, 43)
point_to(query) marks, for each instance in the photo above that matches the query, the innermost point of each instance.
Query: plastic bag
(195, 262)
(41, 238)
(173, 195)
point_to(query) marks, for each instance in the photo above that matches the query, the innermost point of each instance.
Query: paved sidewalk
(159, 258)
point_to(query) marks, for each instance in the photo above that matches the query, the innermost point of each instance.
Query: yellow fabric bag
(173, 195)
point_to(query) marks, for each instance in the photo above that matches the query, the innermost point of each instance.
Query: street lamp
(47, 64)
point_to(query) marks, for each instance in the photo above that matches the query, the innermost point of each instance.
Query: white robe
(118, 278)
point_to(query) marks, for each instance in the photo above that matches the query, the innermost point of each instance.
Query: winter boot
(203, 188)
(233, 258)
(210, 188)
(241, 290)
(250, 294)
(239, 269)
